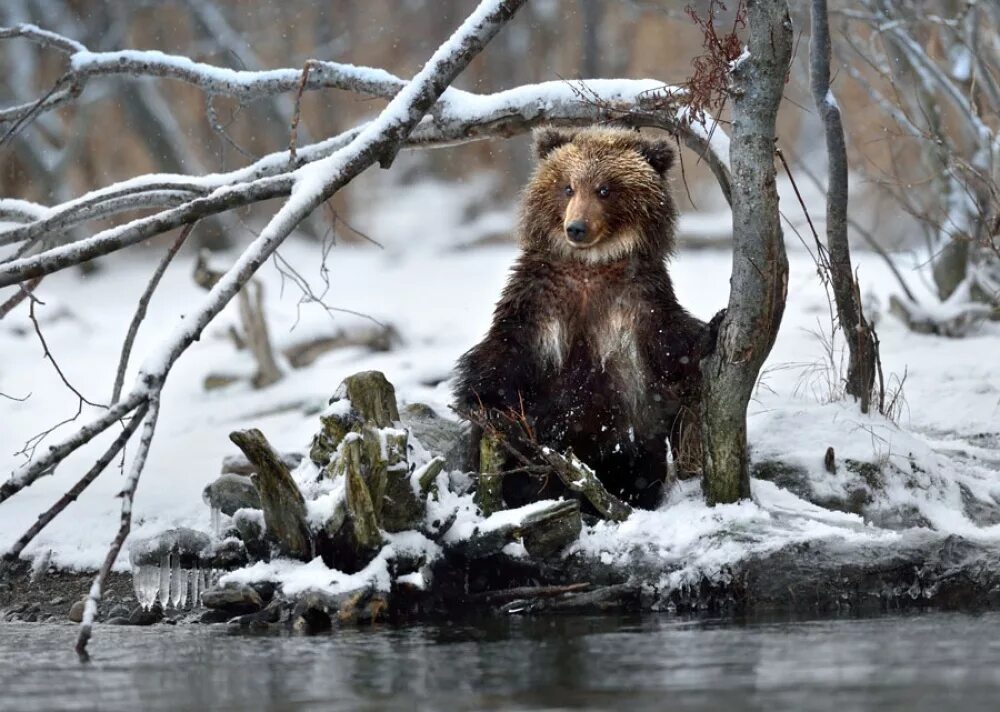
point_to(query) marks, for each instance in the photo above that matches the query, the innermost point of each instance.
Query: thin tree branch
(76, 490)
(140, 311)
(128, 499)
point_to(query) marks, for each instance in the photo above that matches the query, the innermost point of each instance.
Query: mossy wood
(283, 505)
(489, 491)
(373, 397)
(360, 508)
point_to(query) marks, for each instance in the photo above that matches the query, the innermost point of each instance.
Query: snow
(440, 300)
(296, 577)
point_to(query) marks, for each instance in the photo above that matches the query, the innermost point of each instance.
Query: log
(546, 533)
(429, 476)
(617, 597)
(578, 476)
(283, 505)
(489, 490)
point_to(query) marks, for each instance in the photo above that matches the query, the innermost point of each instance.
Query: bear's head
(599, 195)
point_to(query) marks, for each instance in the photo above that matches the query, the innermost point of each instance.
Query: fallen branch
(128, 498)
(76, 490)
(638, 103)
(310, 187)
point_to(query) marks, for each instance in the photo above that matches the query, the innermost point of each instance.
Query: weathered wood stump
(280, 498)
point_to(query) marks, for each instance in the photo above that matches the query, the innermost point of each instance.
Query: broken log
(578, 476)
(283, 505)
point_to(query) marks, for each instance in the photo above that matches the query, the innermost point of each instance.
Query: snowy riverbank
(938, 469)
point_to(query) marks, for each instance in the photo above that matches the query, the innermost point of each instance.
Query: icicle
(196, 588)
(182, 588)
(175, 580)
(146, 582)
(164, 592)
(216, 522)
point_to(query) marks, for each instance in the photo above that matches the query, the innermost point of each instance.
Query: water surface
(912, 662)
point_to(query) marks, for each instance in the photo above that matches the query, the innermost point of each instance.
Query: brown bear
(588, 340)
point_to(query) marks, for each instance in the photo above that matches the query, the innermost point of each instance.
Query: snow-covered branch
(242, 85)
(308, 187)
(457, 118)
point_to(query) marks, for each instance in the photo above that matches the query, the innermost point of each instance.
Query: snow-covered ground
(440, 301)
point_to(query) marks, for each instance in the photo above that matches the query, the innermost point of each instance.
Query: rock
(314, 612)
(440, 436)
(546, 533)
(249, 524)
(231, 492)
(187, 544)
(262, 621)
(117, 620)
(142, 616)
(982, 513)
(216, 616)
(228, 554)
(118, 611)
(236, 600)
(76, 611)
(240, 465)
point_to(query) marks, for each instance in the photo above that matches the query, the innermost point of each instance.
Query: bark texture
(862, 354)
(284, 508)
(760, 266)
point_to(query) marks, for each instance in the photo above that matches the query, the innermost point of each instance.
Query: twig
(46, 517)
(48, 354)
(32, 471)
(23, 292)
(522, 592)
(140, 311)
(128, 497)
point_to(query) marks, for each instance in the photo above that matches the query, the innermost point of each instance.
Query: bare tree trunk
(760, 266)
(592, 12)
(857, 331)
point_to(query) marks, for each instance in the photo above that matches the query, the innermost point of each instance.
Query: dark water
(916, 662)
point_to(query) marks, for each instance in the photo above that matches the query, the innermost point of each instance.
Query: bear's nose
(576, 231)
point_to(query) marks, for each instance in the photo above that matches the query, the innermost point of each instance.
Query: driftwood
(283, 505)
(255, 335)
(579, 477)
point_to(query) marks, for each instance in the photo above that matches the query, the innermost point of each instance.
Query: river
(928, 661)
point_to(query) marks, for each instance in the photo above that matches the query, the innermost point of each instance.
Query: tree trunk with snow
(760, 266)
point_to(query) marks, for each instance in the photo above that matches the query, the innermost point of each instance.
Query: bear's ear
(548, 140)
(659, 154)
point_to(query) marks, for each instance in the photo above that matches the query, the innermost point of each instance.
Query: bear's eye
(603, 192)
(568, 190)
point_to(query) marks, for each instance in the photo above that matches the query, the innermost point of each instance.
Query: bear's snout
(576, 231)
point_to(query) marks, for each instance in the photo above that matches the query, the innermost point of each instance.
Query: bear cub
(588, 340)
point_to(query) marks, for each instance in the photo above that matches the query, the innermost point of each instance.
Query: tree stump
(283, 505)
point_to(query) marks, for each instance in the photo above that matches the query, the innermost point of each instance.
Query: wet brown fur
(590, 340)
